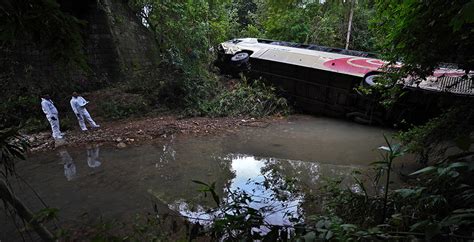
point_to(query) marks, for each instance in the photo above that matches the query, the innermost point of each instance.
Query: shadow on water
(112, 183)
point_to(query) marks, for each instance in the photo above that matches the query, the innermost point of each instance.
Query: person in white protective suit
(78, 105)
(52, 115)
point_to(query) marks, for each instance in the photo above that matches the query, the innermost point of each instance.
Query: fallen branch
(23, 212)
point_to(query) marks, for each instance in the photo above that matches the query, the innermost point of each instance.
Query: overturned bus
(323, 80)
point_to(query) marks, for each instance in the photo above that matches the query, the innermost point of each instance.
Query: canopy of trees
(423, 34)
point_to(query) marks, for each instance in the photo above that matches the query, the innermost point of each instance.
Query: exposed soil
(125, 132)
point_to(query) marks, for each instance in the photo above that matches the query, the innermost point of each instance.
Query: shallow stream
(104, 181)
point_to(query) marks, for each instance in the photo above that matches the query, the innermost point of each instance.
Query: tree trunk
(23, 212)
(349, 26)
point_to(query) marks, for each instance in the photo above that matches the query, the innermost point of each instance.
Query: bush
(196, 91)
(123, 105)
(432, 140)
(253, 99)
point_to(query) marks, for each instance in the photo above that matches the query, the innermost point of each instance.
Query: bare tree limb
(23, 212)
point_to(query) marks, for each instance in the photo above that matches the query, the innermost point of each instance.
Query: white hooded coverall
(78, 105)
(52, 115)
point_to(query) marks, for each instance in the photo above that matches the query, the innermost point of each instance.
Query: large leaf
(406, 192)
(424, 170)
(458, 164)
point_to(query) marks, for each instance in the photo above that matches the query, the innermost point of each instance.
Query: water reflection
(276, 188)
(70, 170)
(68, 162)
(252, 178)
(168, 154)
(93, 156)
(130, 181)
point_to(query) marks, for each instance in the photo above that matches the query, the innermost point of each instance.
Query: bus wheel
(240, 58)
(240, 63)
(371, 79)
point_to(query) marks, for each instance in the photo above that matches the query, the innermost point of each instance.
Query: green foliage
(352, 207)
(441, 201)
(437, 207)
(12, 147)
(290, 25)
(185, 30)
(45, 215)
(325, 30)
(235, 217)
(200, 93)
(431, 140)
(253, 99)
(362, 208)
(17, 107)
(209, 188)
(252, 31)
(245, 10)
(184, 79)
(362, 35)
(123, 105)
(391, 152)
(318, 23)
(424, 34)
(42, 24)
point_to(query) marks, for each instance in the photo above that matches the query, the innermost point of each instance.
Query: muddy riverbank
(136, 131)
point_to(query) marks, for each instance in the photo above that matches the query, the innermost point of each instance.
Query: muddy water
(112, 183)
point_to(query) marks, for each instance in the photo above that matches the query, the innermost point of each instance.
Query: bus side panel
(313, 90)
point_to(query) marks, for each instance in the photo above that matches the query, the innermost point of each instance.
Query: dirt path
(125, 132)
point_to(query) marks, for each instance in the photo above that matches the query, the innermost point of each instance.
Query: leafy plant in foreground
(438, 206)
(392, 151)
(13, 147)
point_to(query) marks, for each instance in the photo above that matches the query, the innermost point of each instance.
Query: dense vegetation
(185, 80)
(437, 203)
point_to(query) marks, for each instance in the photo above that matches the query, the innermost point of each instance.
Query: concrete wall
(116, 46)
(135, 46)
